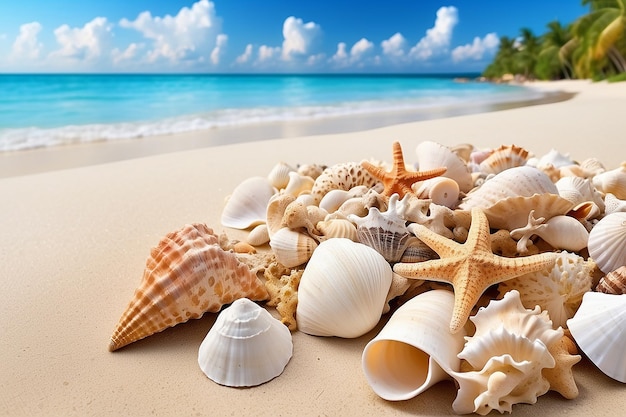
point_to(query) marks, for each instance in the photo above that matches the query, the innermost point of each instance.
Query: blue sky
(265, 36)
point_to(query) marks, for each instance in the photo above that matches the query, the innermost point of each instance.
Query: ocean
(42, 110)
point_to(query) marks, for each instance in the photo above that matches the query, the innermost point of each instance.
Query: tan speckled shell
(342, 176)
(186, 275)
(614, 282)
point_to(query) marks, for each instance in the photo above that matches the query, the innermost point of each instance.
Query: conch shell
(186, 275)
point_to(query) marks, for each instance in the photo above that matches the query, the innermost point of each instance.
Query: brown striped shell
(342, 176)
(614, 282)
(186, 275)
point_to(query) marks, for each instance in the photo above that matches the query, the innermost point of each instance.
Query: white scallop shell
(524, 181)
(292, 248)
(279, 175)
(558, 290)
(504, 157)
(506, 357)
(343, 289)
(579, 190)
(599, 329)
(415, 349)
(607, 242)
(613, 181)
(431, 155)
(245, 347)
(247, 205)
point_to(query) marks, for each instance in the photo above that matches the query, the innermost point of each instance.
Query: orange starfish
(399, 180)
(471, 267)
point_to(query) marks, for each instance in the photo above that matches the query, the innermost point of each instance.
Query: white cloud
(299, 37)
(220, 44)
(26, 45)
(246, 56)
(128, 54)
(477, 49)
(189, 36)
(394, 46)
(437, 39)
(359, 51)
(341, 56)
(361, 48)
(84, 43)
(266, 53)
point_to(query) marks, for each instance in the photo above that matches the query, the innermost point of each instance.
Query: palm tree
(528, 51)
(605, 29)
(503, 61)
(551, 64)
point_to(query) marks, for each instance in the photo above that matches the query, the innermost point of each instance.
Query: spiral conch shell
(245, 347)
(186, 275)
(505, 357)
(343, 289)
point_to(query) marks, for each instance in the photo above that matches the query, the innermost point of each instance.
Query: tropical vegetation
(591, 47)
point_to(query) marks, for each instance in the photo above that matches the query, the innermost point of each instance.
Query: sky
(271, 36)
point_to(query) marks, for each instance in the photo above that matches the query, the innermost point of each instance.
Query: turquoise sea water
(47, 110)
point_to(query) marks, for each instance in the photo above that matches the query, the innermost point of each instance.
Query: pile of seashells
(522, 257)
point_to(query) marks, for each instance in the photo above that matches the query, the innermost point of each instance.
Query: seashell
(579, 190)
(279, 175)
(524, 181)
(556, 159)
(558, 290)
(292, 248)
(306, 199)
(386, 232)
(606, 242)
(247, 205)
(333, 199)
(505, 357)
(431, 155)
(613, 204)
(512, 212)
(332, 228)
(245, 347)
(342, 176)
(311, 170)
(613, 181)
(463, 150)
(275, 211)
(560, 232)
(298, 184)
(297, 216)
(187, 274)
(259, 235)
(415, 349)
(504, 157)
(440, 190)
(417, 251)
(592, 166)
(614, 282)
(599, 330)
(343, 289)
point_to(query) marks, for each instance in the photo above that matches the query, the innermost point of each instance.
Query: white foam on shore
(34, 137)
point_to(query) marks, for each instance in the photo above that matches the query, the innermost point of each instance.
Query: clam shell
(614, 282)
(245, 347)
(333, 228)
(343, 289)
(415, 349)
(432, 155)
(258, 236)
(292, 248)
(599, 330)
(247, 205)
(279, 175)
(607, 240)
(613, 181)
(186, 275)
(504, 157)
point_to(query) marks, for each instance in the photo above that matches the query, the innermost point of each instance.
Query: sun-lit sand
(74, 244)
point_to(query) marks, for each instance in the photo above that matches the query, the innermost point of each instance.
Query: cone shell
(599, 330)
(614, 282)
(245, 347)
(431, 155)
(607, 242)
(415, 349)
(343, 289)
(247, 205)
(186, 275)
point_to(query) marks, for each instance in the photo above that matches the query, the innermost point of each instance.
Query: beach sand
(74, 244)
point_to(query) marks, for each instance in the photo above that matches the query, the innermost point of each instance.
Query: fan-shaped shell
(614, 282)
(613, 181)
(599, 329)
(607, 242)
(579, 190)
(432, 155)
(245, 347)
(186, 275)
(332, 228)
(504, 157)
(279, 175)
(524, 181)
(247, 205)
(292, 248)
(415, 349)
(343, 289)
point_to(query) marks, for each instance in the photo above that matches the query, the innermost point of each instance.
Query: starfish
(399, 180)
(470, 267)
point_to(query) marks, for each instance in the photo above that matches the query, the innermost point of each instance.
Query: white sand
(74, 243)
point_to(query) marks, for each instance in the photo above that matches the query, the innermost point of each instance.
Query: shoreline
(39, 160)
